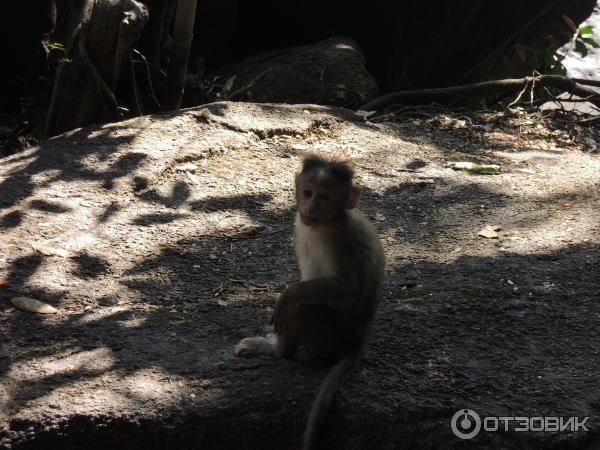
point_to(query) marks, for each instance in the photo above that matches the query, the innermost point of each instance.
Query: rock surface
(176, 264)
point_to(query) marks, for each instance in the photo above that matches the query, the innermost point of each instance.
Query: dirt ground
(182, 224)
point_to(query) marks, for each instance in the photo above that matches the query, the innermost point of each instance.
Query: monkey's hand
(285, 308)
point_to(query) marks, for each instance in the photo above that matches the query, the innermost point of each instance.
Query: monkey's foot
(256, 345)
(244, 347)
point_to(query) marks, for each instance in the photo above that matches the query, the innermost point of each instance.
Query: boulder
(330, 72)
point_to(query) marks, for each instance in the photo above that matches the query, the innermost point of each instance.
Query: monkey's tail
(322, 403)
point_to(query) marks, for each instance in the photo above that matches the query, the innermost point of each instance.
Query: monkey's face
(319, 200)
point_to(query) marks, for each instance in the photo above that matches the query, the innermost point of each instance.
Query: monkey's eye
(306, 193)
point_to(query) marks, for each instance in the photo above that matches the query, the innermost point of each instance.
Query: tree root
(480, 90)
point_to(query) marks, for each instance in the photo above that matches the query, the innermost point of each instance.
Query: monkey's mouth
(308, 221)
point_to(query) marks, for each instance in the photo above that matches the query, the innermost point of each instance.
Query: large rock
(331, 72)
(182, 224)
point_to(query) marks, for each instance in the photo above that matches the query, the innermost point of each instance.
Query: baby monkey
(341, 265)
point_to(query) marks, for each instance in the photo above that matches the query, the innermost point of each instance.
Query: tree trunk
(98, 47)
(179, 54)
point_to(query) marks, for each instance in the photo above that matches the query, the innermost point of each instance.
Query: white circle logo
(465, 424)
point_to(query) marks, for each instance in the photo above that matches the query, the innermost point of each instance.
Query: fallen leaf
(475, 168)
(3, 281)
(489, 232)
(51, 251)
(567, 204)
(33, 305)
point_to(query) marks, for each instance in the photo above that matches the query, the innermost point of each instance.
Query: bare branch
(483, 89)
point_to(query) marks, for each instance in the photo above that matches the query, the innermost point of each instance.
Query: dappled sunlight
(155, 384)
(46, 177)
(53, 207)
(11, 219)
(16, 163)
(134, 322)
(133, 391)
(124, 315)
(561, 229)
(74, 399)
(93, 361)
(182, 229)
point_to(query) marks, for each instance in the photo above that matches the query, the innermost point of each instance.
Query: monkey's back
(365, 260)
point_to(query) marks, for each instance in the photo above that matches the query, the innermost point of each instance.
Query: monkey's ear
(353, 197)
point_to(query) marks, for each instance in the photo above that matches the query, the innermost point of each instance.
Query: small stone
(32, 305)
(489, 232)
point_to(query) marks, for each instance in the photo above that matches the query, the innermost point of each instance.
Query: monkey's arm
(331, 291)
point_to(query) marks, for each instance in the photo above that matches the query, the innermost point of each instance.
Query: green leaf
(586, 30)
(56, 46)
(581, 49)
(592, 42)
